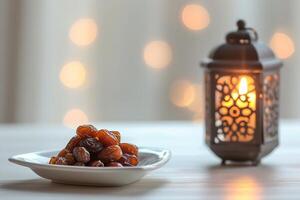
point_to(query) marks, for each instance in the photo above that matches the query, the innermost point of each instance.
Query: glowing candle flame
(243, 89)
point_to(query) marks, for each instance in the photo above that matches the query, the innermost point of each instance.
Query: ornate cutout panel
(235, 108)
(271, 105)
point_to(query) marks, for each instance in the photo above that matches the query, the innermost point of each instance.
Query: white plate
(150, 159)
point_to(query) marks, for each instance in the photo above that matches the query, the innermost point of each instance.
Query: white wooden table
(193, 172)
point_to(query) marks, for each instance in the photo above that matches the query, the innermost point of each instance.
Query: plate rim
(167, 156)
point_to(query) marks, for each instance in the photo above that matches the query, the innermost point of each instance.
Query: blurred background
(75, 61)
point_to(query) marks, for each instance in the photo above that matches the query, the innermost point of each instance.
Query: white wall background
(35, 44)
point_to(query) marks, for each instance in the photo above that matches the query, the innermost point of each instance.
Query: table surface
(192, 173)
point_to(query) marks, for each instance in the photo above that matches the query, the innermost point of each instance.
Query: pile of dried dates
(97, 148)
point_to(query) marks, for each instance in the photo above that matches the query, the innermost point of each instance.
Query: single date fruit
(73, 143)
(117, 134)
(53, 160)
(91, 144)
(129, 160)
(86, 130)
(81, 154)
(70, 159)
(129, 149)
(109, 154)
(61, 161)
(107, 138)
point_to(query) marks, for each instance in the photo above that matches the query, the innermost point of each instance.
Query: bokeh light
(157, 54)
(182, 93)
(282, 45)
(195, 17)
(243, 188)
(74, 118)
(83, 32)
(197, 105)
(73, 74)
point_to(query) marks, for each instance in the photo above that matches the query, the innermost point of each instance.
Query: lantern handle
(241, 24)
(254, 32)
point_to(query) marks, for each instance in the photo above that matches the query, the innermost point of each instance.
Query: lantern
(242, 97)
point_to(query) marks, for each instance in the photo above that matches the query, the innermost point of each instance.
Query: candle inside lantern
(243, 89)
(242, 95)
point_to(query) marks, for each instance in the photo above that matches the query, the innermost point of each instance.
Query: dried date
(91, 144)
(129, 160)
(70, 159)
(53, 160)
(61, 161)
(107, 138)
(81, 154)
(109, 154)
(129, 149)
(117, 134)
(73, 143)
(86, 130)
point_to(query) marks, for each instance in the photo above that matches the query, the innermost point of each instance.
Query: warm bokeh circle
(282, 45)
(83, 32)
(157, 54)
(195, 17)
(73, 74)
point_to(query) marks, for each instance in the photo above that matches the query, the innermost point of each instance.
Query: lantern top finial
(243, 35)
(241, 24)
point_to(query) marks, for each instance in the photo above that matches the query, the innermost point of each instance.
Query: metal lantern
(242, 97)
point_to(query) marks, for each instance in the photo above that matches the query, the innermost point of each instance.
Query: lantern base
(243, 153)
(250, 163)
